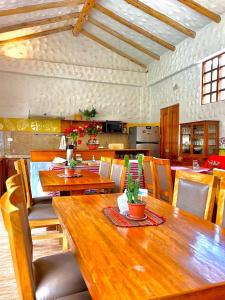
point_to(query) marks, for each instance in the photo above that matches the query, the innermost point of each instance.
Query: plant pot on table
(137, 210)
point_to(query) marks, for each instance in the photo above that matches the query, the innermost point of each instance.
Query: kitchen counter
(49, 155)
(25, 156)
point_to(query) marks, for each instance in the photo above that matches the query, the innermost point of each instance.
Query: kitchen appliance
(145, 137)
(113, 127)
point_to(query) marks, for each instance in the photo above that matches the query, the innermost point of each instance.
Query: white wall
(58, 75)
(177, 78)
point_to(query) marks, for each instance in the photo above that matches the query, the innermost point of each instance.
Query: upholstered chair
(118, 174)
(52, 277)
(195, 193)
(149, 175)
(163, 176)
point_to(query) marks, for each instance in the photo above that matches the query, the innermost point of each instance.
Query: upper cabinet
(199, 139)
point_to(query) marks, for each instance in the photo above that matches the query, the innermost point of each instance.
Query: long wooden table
(51, 182)
(184, 258)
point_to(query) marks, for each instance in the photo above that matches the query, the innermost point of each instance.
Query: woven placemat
(113, 214)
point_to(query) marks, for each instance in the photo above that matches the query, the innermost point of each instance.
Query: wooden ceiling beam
(135, 27)
(161, 17)
(83, 16)
(36, 7)
(38, 22)
(201, 10)
(108, 46)
(123, 38)
(36, 35)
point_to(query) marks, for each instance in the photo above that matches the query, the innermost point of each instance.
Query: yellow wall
(222, 152)
(30, 125)
(44, 125)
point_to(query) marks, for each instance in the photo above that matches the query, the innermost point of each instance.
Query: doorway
(169, 132)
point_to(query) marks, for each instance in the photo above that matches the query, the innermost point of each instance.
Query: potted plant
(70, 168)
(135, 205)
(89, 114)
(93, 129)
(73, 133)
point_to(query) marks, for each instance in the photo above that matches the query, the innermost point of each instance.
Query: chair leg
(65, 243)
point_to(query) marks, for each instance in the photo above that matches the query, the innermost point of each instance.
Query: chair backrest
(16, 181)
(118, 174)
(105, 167)
(16, 223)
(163, 176)
(21, 168)
(195, 193)
(219, 173)
(220, 216)
(149, 175)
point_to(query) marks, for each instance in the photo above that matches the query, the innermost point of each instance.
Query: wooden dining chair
(118, 175)
(51, 277)
(219, 173)
(163, 179)
(105, 167)
(39, 216)
(195, 193)
(220, 216)
(149, 175)
(22, 169)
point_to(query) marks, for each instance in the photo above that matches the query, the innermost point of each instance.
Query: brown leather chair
(220, 216)
(22, 169)
(149, 175)
(51, 277)
(39, 215)
(195, 193)
(118, 174)
(163, 176)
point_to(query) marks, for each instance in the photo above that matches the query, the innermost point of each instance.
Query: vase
(69, 171)
(137, 210)
(93, 143)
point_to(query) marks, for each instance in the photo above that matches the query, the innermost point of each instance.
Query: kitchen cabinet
(200, 139)
(7, 169)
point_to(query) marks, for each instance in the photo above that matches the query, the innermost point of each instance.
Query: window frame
(218, 81)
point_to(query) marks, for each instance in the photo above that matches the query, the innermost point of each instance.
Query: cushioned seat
(42, 212)
(57, 276)
(79, 296)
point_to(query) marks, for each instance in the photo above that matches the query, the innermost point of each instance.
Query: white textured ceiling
(172, 8)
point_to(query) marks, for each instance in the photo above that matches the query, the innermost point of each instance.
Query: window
(213, 79)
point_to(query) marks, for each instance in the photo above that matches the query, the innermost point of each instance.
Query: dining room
(112, 149)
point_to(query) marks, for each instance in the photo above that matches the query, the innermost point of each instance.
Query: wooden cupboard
(199, 139)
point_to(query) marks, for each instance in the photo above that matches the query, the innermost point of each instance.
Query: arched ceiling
(140, 31)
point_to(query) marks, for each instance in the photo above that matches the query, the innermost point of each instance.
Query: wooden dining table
(183, 258)
(52, 181)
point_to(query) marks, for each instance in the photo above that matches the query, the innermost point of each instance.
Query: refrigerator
(145, 137)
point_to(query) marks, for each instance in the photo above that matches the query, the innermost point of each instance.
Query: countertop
(26, 156)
